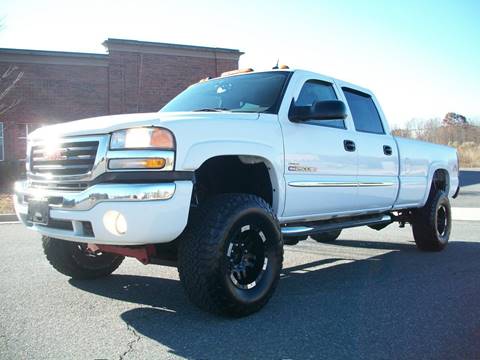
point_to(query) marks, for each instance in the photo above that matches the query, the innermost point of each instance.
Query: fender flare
(434, 167)
(273, 159)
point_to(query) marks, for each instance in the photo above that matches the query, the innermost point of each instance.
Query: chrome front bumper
(153, 212)
(88, 198)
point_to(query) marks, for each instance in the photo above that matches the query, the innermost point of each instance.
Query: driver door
(320, 158)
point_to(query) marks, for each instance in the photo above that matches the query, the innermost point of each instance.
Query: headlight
(142, 138)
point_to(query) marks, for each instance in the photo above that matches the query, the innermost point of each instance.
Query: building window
(2, 147)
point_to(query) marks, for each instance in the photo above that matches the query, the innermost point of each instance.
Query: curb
(8, 217)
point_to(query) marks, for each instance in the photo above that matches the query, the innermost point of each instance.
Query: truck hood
(110, 123)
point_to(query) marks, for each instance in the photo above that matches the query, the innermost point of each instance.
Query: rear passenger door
(377, 152)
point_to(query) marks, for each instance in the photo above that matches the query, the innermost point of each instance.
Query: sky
(421, 58)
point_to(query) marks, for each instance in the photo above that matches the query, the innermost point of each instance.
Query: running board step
(308, 229)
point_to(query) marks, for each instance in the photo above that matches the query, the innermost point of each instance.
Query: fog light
(115, 222)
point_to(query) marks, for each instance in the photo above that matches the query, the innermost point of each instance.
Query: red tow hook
(142, 253)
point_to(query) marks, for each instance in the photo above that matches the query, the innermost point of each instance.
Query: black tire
(327, 237)
(230, 256)
(432, 224)
(72, 259)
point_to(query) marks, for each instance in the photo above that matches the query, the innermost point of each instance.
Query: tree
(454, 119)
(8, 80)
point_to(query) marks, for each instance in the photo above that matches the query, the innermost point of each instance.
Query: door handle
(349, 145)
(387, 150)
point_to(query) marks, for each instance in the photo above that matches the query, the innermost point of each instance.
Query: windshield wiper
(212, 109)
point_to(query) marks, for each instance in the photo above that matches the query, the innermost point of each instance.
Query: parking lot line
(466, 214)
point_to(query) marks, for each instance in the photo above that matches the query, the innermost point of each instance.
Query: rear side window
(364, 112)
(316, 90)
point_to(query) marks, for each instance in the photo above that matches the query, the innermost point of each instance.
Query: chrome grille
(66, 158)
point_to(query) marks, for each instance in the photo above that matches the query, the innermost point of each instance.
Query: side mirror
(320, 110)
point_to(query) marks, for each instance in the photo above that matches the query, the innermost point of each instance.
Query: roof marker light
(238, 71)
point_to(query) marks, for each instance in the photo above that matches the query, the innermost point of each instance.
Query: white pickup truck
(223, 176)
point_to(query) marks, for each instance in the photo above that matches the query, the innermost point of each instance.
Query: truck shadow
(398, 304)
(469, 177)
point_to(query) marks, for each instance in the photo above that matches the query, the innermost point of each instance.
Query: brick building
(134, 76)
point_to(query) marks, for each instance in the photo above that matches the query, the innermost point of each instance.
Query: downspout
(139, 78)
(216, 64)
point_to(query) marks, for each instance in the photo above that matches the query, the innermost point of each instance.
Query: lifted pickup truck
(223, 176)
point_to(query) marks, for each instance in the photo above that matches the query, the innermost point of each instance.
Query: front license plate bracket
(38, 212)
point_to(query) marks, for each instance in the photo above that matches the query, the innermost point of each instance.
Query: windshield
(255, 92)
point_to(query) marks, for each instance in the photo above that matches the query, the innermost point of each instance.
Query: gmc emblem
(55, 154)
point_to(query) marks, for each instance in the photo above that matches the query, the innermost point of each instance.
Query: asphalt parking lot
(370, 295)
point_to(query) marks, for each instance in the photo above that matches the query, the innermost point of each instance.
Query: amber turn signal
(161, 138)
(155, 163)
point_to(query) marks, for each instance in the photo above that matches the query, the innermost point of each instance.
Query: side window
(316, 90)
(364, 112)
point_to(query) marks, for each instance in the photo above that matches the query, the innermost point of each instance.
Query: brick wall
(49, 94)
(134, 77)
(163, 77)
